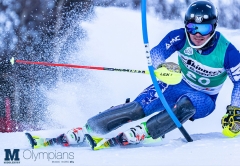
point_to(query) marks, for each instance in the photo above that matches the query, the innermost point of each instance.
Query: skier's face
(198, 39)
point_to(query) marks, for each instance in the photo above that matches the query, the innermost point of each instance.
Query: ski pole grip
(185, 134)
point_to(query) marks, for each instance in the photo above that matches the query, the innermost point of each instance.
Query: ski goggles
(203, 29)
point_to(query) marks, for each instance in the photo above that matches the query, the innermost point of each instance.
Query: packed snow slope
(115, 40)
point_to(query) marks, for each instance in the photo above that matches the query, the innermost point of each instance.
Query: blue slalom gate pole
(151, 70)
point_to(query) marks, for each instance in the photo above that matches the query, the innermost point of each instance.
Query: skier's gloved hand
(171, 66)
(169, 73)
(231, 122)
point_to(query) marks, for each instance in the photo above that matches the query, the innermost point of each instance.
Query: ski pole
(154, 80)
(163, 74)
(79, 66)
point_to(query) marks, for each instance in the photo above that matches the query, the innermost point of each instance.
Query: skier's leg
(103, 122)
(162, 123)
(159, 124)
(191, 106)
(115, 117)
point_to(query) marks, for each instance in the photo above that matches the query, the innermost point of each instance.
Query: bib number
(201, 80)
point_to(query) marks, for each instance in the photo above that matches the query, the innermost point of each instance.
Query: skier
(205, 58)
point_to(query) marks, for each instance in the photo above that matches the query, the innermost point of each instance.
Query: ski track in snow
(115, 40)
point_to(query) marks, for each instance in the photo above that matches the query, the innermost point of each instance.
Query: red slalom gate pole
(9, 126)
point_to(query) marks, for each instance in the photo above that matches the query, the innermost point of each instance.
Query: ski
(39, 142)
(97, 143)
(36, 141)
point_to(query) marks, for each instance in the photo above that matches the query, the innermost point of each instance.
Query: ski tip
(90, 141)
(31, 140)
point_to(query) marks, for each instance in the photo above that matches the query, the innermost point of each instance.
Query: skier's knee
(162, 123)
(115, 117)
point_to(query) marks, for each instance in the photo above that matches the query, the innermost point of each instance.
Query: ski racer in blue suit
(205, 58)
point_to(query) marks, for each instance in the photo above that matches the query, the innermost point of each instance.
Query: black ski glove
(231, 122)
(171, 66)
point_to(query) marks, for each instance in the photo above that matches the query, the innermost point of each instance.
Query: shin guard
(114, 117)
(162, 123)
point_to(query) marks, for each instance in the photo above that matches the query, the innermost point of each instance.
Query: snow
(115, 40)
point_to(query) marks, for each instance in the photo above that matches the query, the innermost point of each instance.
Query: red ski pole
(79, 66)
(163, 74)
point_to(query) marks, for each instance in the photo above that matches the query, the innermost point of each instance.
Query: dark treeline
(229, 15)
(39, 30)
(47, 30)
